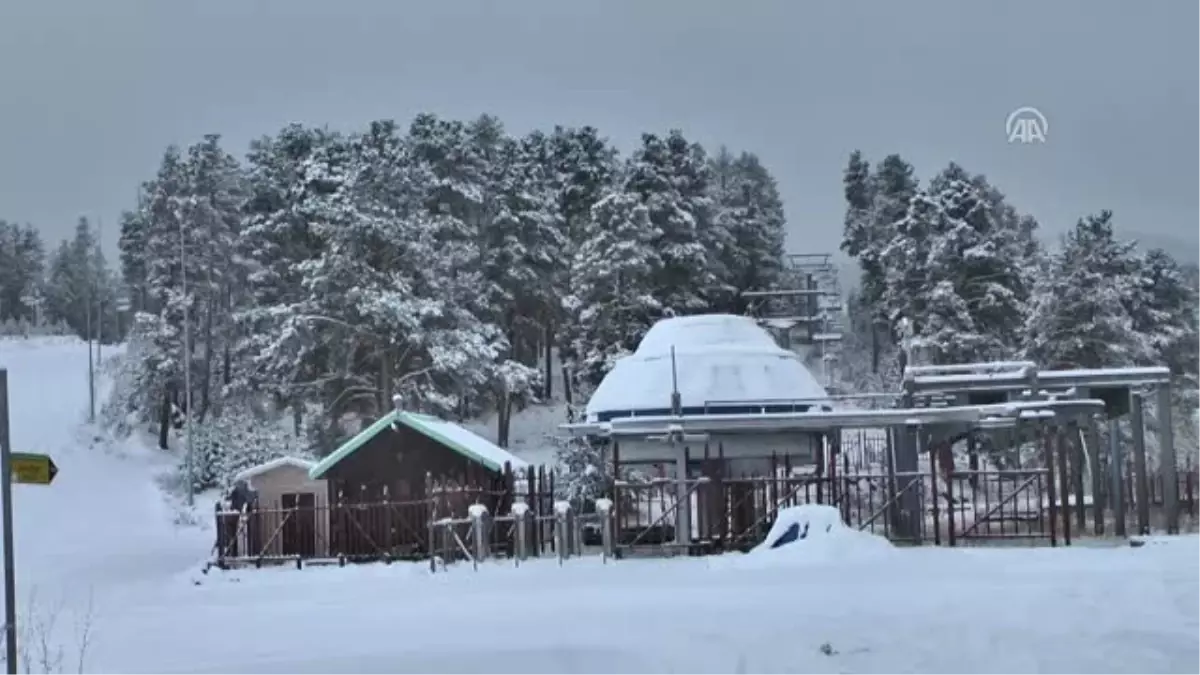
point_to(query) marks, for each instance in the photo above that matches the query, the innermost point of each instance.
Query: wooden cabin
(388, 482)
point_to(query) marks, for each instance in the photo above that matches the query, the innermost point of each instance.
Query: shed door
(300, 530)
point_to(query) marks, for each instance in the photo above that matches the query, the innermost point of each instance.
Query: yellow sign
(32, 469)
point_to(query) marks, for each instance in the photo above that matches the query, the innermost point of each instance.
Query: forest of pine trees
(70, 291)
(326, 271)
(444, 262)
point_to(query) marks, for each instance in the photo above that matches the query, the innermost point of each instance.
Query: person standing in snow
(241, 498)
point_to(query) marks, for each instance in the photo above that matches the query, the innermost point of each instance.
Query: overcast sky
(91, 91)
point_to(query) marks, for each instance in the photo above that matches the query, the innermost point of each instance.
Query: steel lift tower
(805, 312)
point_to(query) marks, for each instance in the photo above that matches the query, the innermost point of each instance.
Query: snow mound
(815, 532)
(718, 358)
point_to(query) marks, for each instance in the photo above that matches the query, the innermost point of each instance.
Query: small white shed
(288, 497)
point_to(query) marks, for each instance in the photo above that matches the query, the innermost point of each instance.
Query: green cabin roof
(448, 434)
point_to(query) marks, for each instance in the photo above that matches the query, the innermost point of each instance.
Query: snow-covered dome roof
(725, 363)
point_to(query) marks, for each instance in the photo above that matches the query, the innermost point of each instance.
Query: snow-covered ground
(104, 516)
(102, 531)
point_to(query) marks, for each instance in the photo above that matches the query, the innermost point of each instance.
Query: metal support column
(1141, 480)
(1167, 459)
(1116, 465)
(1092, 440)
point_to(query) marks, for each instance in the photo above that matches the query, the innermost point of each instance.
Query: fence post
(577, 522)
(562, 511)
(479, 539)
(520, 514)
(604, 507)
(430, 524)
(1167, 459)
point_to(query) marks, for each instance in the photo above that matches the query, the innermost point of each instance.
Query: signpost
(29, 469)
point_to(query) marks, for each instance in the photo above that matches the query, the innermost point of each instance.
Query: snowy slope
(103, 523)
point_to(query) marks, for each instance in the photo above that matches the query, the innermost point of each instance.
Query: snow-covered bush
(134, 394)
(584, 475)
(235, 441)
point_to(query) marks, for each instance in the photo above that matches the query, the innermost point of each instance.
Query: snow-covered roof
(267, 467)
(719, 358)
(460, 440)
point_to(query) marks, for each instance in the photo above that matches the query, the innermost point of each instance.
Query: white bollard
(604, 508)
(562, 538)
(478, 514)
(520, 513)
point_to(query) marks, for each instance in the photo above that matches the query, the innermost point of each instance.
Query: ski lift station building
(721, 364)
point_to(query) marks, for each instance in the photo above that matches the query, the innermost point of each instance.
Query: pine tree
(613, 276)
(1078, 317)
(748, 208)
(22, 263)
(671, 177)
(582, 169)
(876, 203)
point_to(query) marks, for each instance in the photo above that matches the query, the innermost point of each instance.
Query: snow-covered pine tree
(212, 214)
(132, 244)
(957, 271)
(466, 347)
(1163, 308)
(1078, 317)
(615, 299)
(77, 282)
(22, 266)
(749, 210)
(523, 244)
(981, 254)
(875, 203)
(671, 176)
(275, 353)
(855, 371)
(135, 389)
(582, 168)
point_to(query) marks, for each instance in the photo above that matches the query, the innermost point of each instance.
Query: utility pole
(99, 296)
(10, 584)
(187, 366)
(88, 329)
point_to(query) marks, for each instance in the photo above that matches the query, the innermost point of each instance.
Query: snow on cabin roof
(719, 358)
(466, 443)
(267, 467)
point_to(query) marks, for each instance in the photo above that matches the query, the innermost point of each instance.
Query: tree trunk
(206, 378)
(503, 419)
(227, 335)
(566, 376)
(164, 421)
(874, 348)
(297, 418)
(548, 341)
(385, 381)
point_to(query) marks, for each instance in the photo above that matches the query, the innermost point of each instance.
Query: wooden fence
(725, 512)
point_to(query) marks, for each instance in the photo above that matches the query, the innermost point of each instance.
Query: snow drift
(815, 533)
